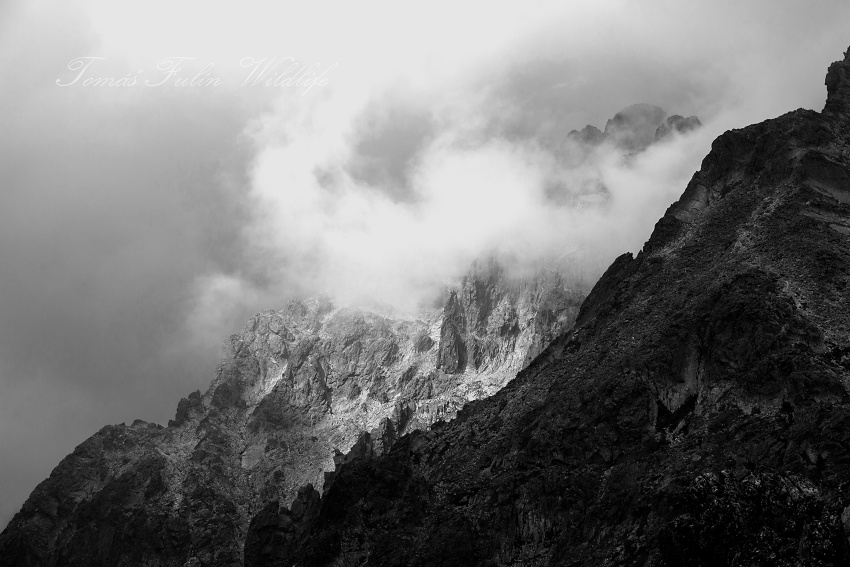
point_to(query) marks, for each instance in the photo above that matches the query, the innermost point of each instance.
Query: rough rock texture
(697, 414)
(297, 390)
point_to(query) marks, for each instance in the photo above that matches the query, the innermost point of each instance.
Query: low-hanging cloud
(470, 195)
(386, 194)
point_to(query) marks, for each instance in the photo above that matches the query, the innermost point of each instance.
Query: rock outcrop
(299, 389)
(697, 414)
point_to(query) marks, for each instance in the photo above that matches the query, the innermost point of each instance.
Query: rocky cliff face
(697, 414)
(298, 388)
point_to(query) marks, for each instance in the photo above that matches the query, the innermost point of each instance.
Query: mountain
(298, 388)
(633, 129)
(697, 413)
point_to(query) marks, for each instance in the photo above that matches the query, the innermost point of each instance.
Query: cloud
(386, 193)
(475, 195)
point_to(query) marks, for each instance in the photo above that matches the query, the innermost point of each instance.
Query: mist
(139, 227)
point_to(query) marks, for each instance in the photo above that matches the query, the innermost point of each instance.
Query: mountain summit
(632, 130)
(838, 87)
(635, 128)
(297, 390)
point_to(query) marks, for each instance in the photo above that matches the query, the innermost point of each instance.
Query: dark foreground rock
(698, 413)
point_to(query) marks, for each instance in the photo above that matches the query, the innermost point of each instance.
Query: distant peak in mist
(629, 131)
(634, 128)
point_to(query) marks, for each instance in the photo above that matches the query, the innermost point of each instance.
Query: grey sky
(139, 227)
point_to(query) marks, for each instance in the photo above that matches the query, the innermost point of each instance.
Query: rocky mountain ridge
(697, 414)
(297, 389)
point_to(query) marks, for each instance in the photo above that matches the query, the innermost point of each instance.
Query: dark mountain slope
(698, 414)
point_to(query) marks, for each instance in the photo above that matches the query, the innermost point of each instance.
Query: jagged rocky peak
(838, 86)
(298, 391)
(496, 322)
(631, 130)
(590, 136)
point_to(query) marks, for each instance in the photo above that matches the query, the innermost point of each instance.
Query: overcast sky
(142, 224)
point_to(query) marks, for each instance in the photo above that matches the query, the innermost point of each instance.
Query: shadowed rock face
(296, 390)
(697, 414)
